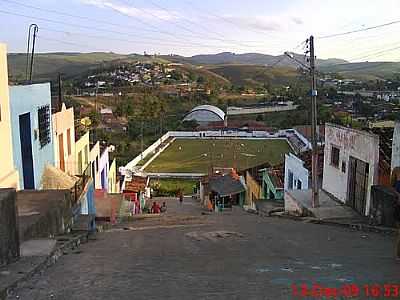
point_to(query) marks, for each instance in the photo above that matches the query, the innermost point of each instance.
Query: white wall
(358, 144)
(296, 166)
(396, 146)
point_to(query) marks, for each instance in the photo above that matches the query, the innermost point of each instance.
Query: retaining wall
(9, 239)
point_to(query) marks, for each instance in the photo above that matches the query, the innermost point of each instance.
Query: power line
(197, 24)
(358, 30)
(89, 27)
(178, 25)
(118, 39)
(155, 30)
(226, 20)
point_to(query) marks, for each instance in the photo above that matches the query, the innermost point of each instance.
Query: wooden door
(61, 151)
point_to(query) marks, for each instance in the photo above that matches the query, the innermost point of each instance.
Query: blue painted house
(31, 128)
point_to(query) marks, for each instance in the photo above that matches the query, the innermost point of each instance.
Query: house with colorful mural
(64, 140)
(31, 128)
(9, 176)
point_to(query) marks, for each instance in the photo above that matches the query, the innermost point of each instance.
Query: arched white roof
(217, 112)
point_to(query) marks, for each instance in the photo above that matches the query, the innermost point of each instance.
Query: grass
(170, 187)
(186, 155)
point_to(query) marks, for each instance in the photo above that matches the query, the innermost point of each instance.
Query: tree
(94, 117)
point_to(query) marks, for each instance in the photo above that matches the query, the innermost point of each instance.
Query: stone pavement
(233, 255)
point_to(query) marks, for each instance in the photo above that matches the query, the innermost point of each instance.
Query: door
(358, 184)
(25, 136)
(94, 174)
(103, 179)
(61, 151)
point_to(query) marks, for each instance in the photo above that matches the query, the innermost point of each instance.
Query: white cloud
(131, 11)
(276, 23)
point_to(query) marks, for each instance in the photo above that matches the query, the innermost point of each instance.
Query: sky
(190, 27)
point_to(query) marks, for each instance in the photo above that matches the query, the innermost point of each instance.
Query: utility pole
(60, 94)
(141, 143)
(314, 112)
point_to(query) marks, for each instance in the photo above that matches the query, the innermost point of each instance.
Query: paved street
(235, 255)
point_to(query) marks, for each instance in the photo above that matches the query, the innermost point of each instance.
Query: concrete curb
(48, 261)
(354, 226)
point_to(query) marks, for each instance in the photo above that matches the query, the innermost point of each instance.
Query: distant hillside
(247, 59)
(48, 65)
(364, 70)
(253, 75)
(225, 65)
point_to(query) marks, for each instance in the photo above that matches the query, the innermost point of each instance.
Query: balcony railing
(80, 185)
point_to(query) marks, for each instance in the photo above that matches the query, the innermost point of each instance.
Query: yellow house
(8, 174)
(113, 186)
(82, 153)
(64, 140)
(253, 190)
(94, 162)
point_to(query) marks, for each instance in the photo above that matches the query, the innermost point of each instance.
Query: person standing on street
(180, 197)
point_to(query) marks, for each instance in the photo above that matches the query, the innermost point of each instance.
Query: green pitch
(197, 155)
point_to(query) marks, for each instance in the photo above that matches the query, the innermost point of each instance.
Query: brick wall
(9, 241)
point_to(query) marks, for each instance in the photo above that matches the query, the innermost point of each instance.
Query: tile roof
(226, 185)
(307, 158)
(305, 130)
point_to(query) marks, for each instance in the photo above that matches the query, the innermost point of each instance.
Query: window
(97, 164)
(290, 183)
(69, 141)
(335, 156)
(86, 155)
(299, 184)
(80, 162)
(44, 125)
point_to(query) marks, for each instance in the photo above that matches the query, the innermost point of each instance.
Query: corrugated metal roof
(219, 112)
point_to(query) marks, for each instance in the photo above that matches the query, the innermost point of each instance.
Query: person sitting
(163, 207)
(155, 209)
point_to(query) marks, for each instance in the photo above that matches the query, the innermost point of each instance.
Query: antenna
(29, 63)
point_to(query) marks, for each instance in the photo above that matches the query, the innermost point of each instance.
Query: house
(9, 176)
(298, 170)
(135, 190)
(82, 153)
(94, 162)
(224, 189)
(64, 140)
(113, 184)
(31, 126)
(253, 187)
(351, 164)
(103, 168)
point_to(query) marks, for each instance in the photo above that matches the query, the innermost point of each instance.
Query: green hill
(364, 70)
(48, 65)
(252, 75)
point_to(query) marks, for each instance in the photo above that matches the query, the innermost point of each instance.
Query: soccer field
(197, 155)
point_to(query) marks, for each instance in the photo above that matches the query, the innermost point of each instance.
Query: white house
(351, 164)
